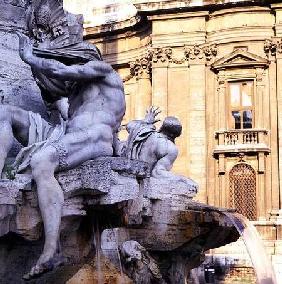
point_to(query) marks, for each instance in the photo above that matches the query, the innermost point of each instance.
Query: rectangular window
(241, 105)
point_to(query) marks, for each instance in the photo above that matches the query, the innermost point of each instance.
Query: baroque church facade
(217, 66)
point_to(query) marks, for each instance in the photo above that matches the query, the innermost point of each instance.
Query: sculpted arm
(56, 69)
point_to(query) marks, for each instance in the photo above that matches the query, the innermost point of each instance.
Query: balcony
(242, 140)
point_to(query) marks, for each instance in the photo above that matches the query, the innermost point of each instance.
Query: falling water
(97, 243)
(119, 259)
(255, 248)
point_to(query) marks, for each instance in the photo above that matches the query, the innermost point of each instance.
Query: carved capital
(194, 52)
(160, 54)
(142, 66)
(210, 51)
(207, 52)
(273, 47)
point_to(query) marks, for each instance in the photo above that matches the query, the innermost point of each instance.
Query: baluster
(247, 138)
(241, 137)
(255, 138)
(226, 140)
(233, 138)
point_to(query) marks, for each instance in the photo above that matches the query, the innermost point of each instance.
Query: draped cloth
(138, 133)
(82, 52)
(41, 135)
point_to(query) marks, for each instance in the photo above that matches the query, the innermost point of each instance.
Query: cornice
(113, 27)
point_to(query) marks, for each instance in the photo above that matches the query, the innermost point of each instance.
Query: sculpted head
(42, 18)
(171, 127)
(50, 26)
(58, 34)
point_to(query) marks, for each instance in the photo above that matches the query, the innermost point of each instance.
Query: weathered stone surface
(89, 274)
(139, 265)
(178, 192)
(177, 239)
(101, 176)
(105, 181)
(172, 227)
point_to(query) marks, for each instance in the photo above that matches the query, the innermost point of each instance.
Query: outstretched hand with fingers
(151, 115)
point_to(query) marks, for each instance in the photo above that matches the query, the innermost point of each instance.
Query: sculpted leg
(14, 122)
(6, 134)
(50, 198)
(72, 150)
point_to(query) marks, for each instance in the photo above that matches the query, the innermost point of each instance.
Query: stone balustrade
(242, 140)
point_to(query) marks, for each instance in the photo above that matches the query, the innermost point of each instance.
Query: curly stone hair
(171, 127)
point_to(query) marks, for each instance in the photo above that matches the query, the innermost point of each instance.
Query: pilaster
(141, 69)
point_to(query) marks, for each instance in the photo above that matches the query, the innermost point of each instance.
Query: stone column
(160, 80)
(143, 96)
(197, 120)
(277, 189)
(178, 105)
(221, 91)
(211, 110)
(275, 48)
(141, 68)
(274, 51)
(261, 121)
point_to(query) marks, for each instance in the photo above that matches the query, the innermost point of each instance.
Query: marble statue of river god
(63, 66)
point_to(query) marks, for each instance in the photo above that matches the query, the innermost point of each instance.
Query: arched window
(242, 181)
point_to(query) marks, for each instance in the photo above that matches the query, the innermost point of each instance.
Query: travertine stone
(178, 193)
(121, 180)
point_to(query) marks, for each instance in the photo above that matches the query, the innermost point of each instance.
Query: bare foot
(42, 267)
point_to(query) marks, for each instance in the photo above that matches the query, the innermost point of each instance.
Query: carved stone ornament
(142, 65)
(273, 46)
(161, 54)
(206, 52)
(76, 179)
(47, 21)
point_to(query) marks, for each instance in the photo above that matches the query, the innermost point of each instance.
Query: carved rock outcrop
(117, 192)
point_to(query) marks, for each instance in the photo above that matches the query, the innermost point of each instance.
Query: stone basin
(118, 194)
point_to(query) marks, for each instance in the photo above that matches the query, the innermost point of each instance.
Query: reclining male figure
(96, 107)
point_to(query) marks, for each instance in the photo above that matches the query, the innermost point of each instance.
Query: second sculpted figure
(157, 148)
(63, 66)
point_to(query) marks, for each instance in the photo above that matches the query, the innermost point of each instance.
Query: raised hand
(151, 114)
(25, 46)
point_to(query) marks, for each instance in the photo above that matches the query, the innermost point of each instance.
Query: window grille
(242, 181)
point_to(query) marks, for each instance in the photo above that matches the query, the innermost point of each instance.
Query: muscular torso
(155, 148)
(93, 102)
(100, 101)
(160, 153)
